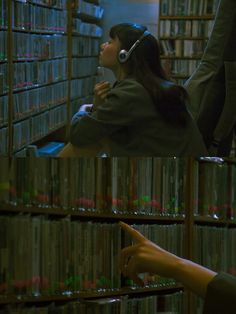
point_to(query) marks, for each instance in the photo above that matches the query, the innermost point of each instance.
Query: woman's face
(109, 54)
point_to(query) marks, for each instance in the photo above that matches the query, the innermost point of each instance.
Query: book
(51, 149)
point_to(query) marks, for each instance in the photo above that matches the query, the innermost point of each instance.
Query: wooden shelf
(40, 32)
(37, 86)
(3, 125)
(214, 222)
(91, 295)
(42, 110)
(19, 60)
(90, 214)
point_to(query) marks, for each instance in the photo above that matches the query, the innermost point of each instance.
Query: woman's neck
(120, 74)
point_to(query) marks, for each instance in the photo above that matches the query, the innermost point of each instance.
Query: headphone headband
(124, 55)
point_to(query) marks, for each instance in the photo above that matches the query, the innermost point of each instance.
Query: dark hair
(145, 65)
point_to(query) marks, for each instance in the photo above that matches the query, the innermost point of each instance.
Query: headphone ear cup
(123, 56)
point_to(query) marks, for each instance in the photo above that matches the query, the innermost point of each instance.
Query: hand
(100, 93)
(144, 257)
(86, 107)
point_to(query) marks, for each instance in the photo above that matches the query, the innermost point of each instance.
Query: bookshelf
(86, 32)
(38, 198)
(185, 205)
(184, 28)
(4, 30)
(48, 64)
(213, 217)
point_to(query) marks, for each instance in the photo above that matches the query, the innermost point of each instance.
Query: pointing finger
(136, 235)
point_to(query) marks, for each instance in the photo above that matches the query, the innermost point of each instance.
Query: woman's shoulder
(130, 82)
(130, 87)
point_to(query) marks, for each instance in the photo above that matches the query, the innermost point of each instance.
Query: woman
(218, 290)
(144, 114)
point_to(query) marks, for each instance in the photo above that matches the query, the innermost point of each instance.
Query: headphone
(124, 55)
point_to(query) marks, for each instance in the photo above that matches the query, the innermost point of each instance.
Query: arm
(94, 149)
(87, 129)
(72, 151)
(123, 106)
(100, 93)
(146, 256)
(221, 295)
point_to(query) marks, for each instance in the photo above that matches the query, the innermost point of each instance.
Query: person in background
(219, 290)
(143, 114)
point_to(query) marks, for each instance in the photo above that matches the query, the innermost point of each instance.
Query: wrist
(173, 266)
(194, 276)
(180, 268)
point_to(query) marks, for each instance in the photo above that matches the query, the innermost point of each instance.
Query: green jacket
(134, 127)
(221, 295)
(212, 86)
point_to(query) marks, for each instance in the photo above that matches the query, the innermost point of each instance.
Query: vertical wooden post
(10, 77)
(69, 58)
(189, 222)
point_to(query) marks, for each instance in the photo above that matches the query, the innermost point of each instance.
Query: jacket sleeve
(221, 295)
(118, 111)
